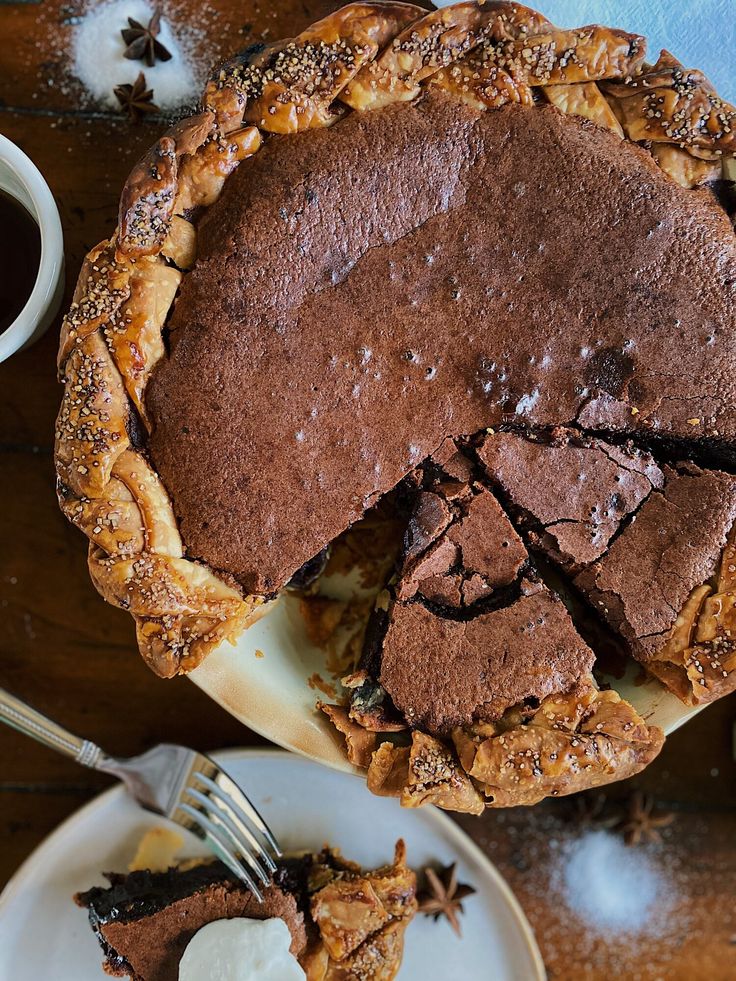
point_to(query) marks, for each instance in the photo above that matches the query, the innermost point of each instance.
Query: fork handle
(25, 719)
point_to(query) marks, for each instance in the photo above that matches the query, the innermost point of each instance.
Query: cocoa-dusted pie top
(361, 292)
(642, 583)
(571, 492)
(443, 673)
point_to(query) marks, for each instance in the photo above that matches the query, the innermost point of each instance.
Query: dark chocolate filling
(142, 893)
(583, 288)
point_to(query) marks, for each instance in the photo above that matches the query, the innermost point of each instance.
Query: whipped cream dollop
(240, 950)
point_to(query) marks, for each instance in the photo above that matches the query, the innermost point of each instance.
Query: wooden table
(71, 655)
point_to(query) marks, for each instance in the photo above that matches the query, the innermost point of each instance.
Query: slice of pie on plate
(322, 919)
(462, 256)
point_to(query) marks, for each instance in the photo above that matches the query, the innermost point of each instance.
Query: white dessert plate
(43, 935)
(267, 681)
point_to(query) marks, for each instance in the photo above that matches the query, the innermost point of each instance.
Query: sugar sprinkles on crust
(435, 765)
(84, 430)
(103, 293)
(433, 49)
(301, 69)
(673, 104)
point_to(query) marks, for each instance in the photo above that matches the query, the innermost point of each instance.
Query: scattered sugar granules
(99, 64)
(611, 887)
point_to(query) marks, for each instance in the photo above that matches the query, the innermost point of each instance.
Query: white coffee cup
(21, 179)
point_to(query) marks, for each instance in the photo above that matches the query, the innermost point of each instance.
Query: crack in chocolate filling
(532, 267)
(634, 540)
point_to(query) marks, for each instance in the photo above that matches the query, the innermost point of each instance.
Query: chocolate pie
(344, 923)
(467, 254)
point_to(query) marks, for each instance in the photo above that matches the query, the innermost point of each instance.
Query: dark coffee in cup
(20, 256)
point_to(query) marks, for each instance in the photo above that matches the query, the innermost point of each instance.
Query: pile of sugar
(98, 56)
(609, 886)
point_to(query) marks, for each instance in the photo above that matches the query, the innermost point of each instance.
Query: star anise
(588, 812)
(642, 823)
(142, 43)
(443, 895)
(136, 99)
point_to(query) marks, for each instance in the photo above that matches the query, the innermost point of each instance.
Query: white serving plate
(45, 937)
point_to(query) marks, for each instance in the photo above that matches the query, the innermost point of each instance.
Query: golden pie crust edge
(361, 57)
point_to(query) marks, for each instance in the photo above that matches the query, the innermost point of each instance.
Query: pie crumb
(316, 681)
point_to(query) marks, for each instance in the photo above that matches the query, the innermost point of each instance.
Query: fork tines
(218, 812)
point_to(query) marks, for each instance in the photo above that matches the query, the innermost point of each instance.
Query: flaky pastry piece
(203, 175)
(573, 741)
(685, 169)
(360, 57)
(128, 301)
(482, 85)
(562, 57)
(698, 660)
(436, 40)
(669, 103)
(290, 86)
(134, 516)
(102, 287)
(135, 335)
(186, 169)
(584, 99)
(360, 743)
(147, 201)
(427, 772)
(180, 608)
(361, 918)
(487, 61)
(430, 45)
(91, 427)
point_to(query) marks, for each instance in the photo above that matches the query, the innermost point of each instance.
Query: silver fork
(185, 786)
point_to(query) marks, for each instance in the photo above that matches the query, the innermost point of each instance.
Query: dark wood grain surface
(72, 656)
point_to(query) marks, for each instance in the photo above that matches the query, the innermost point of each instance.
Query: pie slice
(674, 603)
(650, 547)
(460, 547)
(339, 918)
(494, 684)
(394, 237)
(588, 488)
